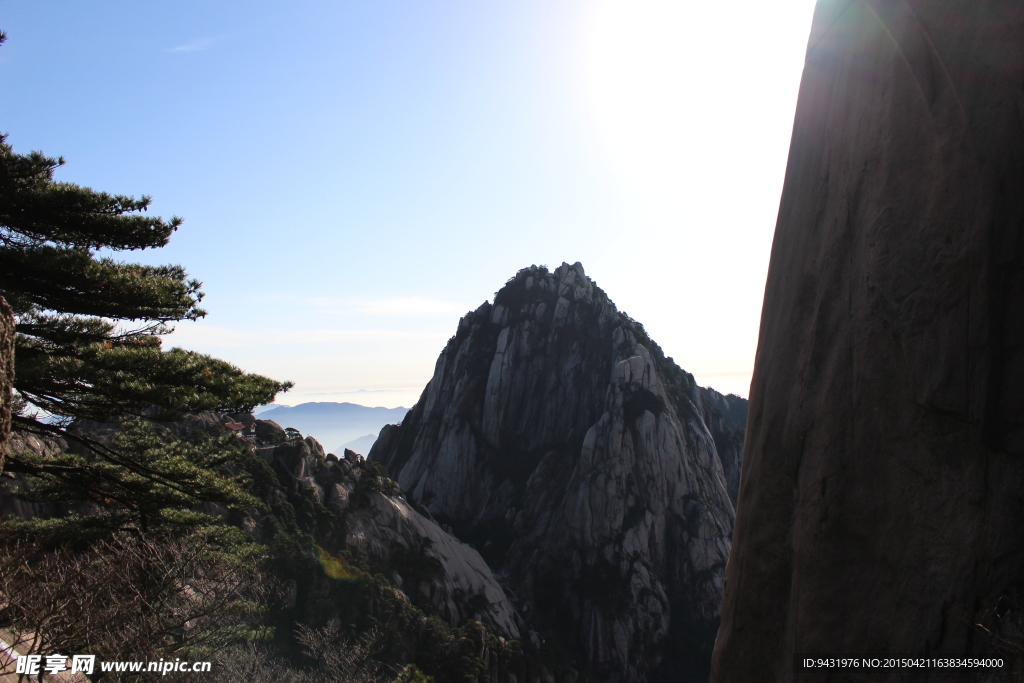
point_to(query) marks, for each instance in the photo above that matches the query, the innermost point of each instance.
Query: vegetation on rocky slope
(292, 579)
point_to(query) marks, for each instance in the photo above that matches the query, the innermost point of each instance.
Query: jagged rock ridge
(557, 438)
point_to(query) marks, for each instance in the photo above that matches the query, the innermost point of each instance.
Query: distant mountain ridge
(334, 423)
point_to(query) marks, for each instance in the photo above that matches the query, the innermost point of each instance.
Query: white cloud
(726, 382)
(359, 392)
(725, 373)
(194, 46)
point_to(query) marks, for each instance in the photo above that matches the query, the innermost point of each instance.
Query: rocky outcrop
(557, 438)
(6, 374)
(383, 524)
(457, 584)
(880, 503)
(466, 589)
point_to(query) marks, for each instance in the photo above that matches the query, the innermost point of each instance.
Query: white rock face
(556, 438)
(390, 521)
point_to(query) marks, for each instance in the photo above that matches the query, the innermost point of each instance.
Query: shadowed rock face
(880, 504)
(556, 437)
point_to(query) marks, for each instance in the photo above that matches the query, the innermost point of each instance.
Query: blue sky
(355, 175)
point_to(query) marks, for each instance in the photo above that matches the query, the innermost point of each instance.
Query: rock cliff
(587, 468)
(881, 503)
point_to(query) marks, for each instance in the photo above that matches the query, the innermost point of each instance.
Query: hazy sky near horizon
(356, 175)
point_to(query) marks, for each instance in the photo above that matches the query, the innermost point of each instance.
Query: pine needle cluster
(88, 346)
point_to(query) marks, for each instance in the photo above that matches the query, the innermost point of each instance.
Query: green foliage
(341, 584)
(515, 295)
(448, 654)
(148, 480)
(454, 655)
(127, 562)
(88, 328)
(85, 368)
(375, 479)
(412, 674)
(88, 347)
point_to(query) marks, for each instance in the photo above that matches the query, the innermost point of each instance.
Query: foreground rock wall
(882, 492)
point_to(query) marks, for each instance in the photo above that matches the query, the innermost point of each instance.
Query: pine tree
(129, 563)
(88, 333)
(89, 329)
(169, 478)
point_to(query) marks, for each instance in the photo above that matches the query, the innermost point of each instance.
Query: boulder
(269, 431)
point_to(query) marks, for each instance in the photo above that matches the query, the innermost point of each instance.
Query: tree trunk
(6, 375)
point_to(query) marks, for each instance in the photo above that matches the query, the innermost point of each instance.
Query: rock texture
(382, 523)
(389, 523)
(377, 517)
(882, 493)
(726, 418)
(556, 437)
(6, 374)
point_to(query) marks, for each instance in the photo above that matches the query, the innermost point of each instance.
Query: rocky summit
(589, 470)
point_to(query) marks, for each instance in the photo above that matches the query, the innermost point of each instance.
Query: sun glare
(678, 87)
(692, 104)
